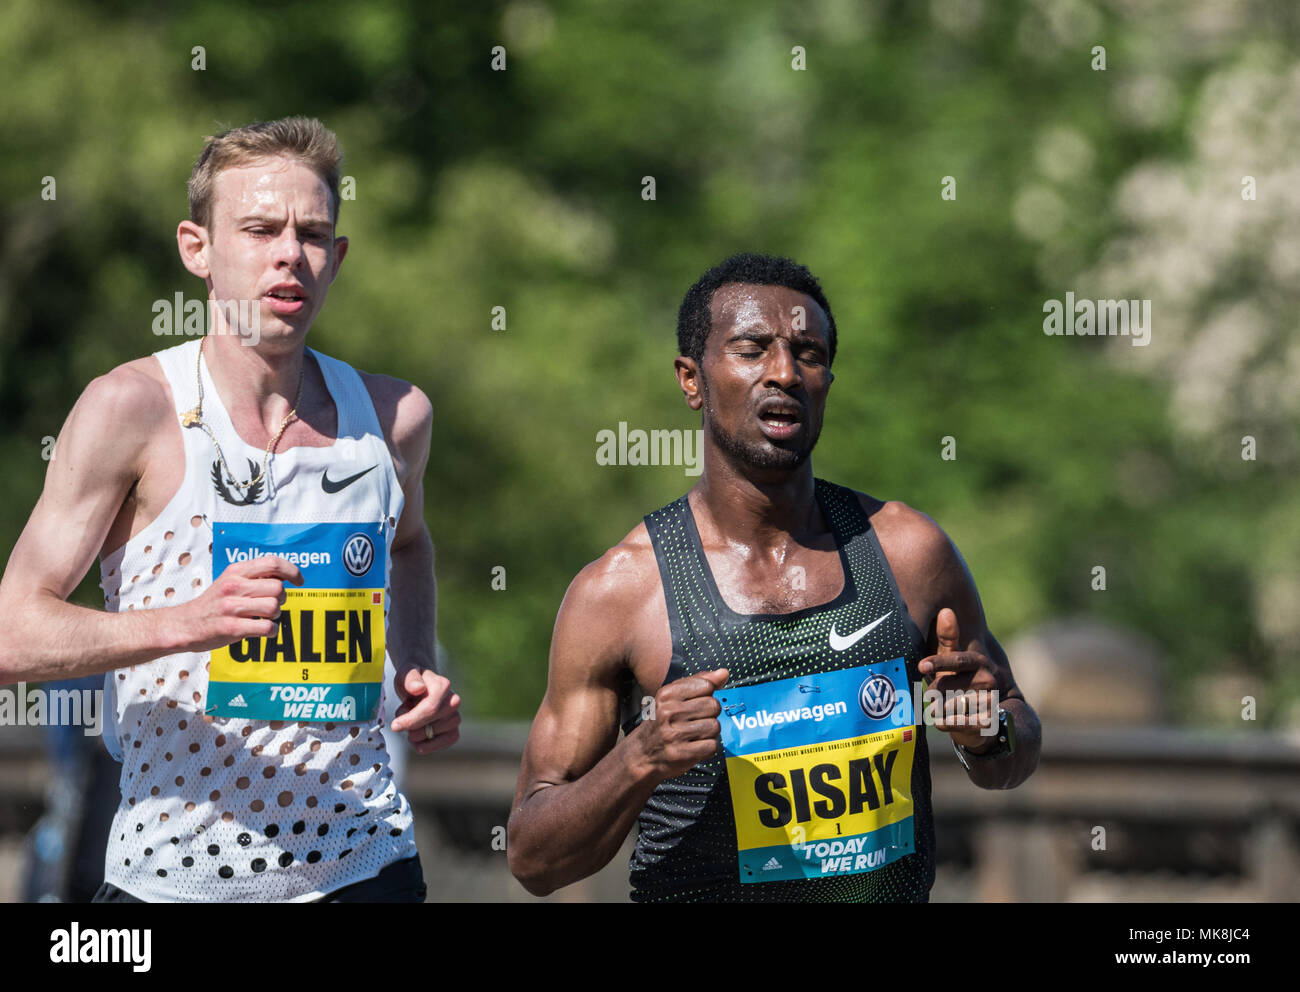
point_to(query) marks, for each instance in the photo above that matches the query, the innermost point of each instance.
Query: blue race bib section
(820, 772)
(326, 660)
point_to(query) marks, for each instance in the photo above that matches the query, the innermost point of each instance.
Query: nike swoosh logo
(839, 643)
(334, 487)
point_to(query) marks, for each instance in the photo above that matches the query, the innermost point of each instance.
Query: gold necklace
(194, 417)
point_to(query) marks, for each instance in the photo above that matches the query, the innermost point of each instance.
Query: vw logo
(876, 697)
(358, 554)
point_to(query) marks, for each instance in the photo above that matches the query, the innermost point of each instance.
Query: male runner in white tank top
(248, 718)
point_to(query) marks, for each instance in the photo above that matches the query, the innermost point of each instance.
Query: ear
(340, 249)
(688, 377)
(193, 241)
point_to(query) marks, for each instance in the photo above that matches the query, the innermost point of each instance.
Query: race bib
(820, 770)
(325, 662)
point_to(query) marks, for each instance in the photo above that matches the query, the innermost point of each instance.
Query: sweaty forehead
(271, 186)
(744, 304)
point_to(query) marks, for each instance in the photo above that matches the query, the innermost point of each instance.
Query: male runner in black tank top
(759, 640)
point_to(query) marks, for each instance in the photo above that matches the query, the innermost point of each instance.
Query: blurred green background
(523, 189)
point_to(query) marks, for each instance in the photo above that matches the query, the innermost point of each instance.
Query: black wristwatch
(1004, 748)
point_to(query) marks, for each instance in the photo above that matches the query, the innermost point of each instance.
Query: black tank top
(687, 848)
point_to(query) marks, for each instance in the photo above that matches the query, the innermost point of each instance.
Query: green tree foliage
(522, 189)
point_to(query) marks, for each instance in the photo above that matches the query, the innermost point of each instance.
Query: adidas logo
(772, 865)
(238, 701)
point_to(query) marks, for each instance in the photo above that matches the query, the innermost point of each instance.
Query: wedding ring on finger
(428, 731)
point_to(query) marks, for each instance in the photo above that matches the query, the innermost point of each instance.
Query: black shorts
(402, 881)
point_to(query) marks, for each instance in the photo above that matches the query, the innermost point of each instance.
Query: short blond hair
(303, 138)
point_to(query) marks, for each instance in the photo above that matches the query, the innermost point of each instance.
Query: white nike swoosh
(839, 643)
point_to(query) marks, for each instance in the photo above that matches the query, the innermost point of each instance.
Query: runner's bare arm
(406, 417)
(932, 576)
(98, 457)
(580, 788)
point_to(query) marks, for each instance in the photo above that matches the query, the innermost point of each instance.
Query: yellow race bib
(326, 660)
(820, 772)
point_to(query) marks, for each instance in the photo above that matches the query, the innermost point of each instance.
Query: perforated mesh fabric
(687, 848)
(238, 810)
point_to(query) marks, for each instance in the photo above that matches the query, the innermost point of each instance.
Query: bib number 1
(821, 788)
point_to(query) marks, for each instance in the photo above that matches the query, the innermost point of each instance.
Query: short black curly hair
(694, 318)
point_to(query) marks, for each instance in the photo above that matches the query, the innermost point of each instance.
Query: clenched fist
(243, 602)
(682, 728)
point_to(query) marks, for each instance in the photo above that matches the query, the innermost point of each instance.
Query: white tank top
(246, 810)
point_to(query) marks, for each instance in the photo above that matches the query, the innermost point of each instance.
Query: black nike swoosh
(334, 487)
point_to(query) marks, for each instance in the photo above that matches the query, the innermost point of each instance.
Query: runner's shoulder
(126, 404)
(615, 588)
(907, 536)
(405, 416)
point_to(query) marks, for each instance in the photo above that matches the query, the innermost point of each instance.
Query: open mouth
(780, 420)
(285, 300)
